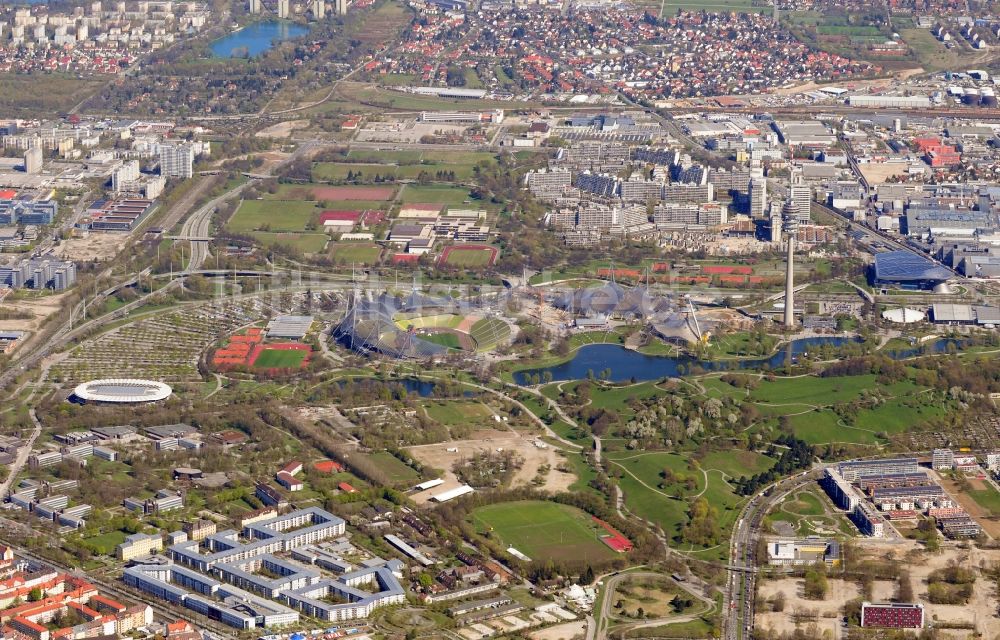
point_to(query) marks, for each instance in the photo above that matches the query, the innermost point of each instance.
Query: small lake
(255, 39)
(626, 364)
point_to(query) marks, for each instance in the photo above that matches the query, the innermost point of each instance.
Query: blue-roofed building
(907, 270)
(22, 212)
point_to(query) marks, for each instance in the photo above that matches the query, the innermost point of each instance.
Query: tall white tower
(790, 226)
(282, 9)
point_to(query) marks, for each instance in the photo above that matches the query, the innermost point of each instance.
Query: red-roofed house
(346, 488)
(182, 630)
(328, 466)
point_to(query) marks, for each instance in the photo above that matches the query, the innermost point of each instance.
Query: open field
(929, 51)
(453, 412)
(304, 242)
(434, 194)
(95, 246)
(367, 172)
(543, 530)
(396, 469)
(347, 197)
(45, 92)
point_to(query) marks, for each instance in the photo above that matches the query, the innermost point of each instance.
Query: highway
(198, 226)
(738, 601)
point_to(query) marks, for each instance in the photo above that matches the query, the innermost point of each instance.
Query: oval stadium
(121, 391)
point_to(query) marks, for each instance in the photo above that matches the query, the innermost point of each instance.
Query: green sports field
(469, 257)
(279, 359)
(449, 340)
(544, 530)
(359, 252)
(272, 215)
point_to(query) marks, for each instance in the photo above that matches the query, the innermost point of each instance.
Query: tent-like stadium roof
(906, 266)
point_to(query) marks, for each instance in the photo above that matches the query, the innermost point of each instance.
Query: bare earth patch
(438, 457)
(567, 631)
(95, 246)
(282, 129)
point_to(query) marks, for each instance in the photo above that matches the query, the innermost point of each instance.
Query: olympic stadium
(121, 391)
(419, 326)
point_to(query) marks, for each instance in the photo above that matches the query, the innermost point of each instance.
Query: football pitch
(544, 530)
(280, 359)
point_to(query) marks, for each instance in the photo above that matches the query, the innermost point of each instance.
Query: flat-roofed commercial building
(892, 615)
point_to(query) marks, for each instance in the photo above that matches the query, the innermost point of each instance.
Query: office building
(809, 551)
(23, 212)
(39, 273)
(138, 545)
(800, 199)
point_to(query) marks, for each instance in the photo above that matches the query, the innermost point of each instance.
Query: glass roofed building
(907, 270)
